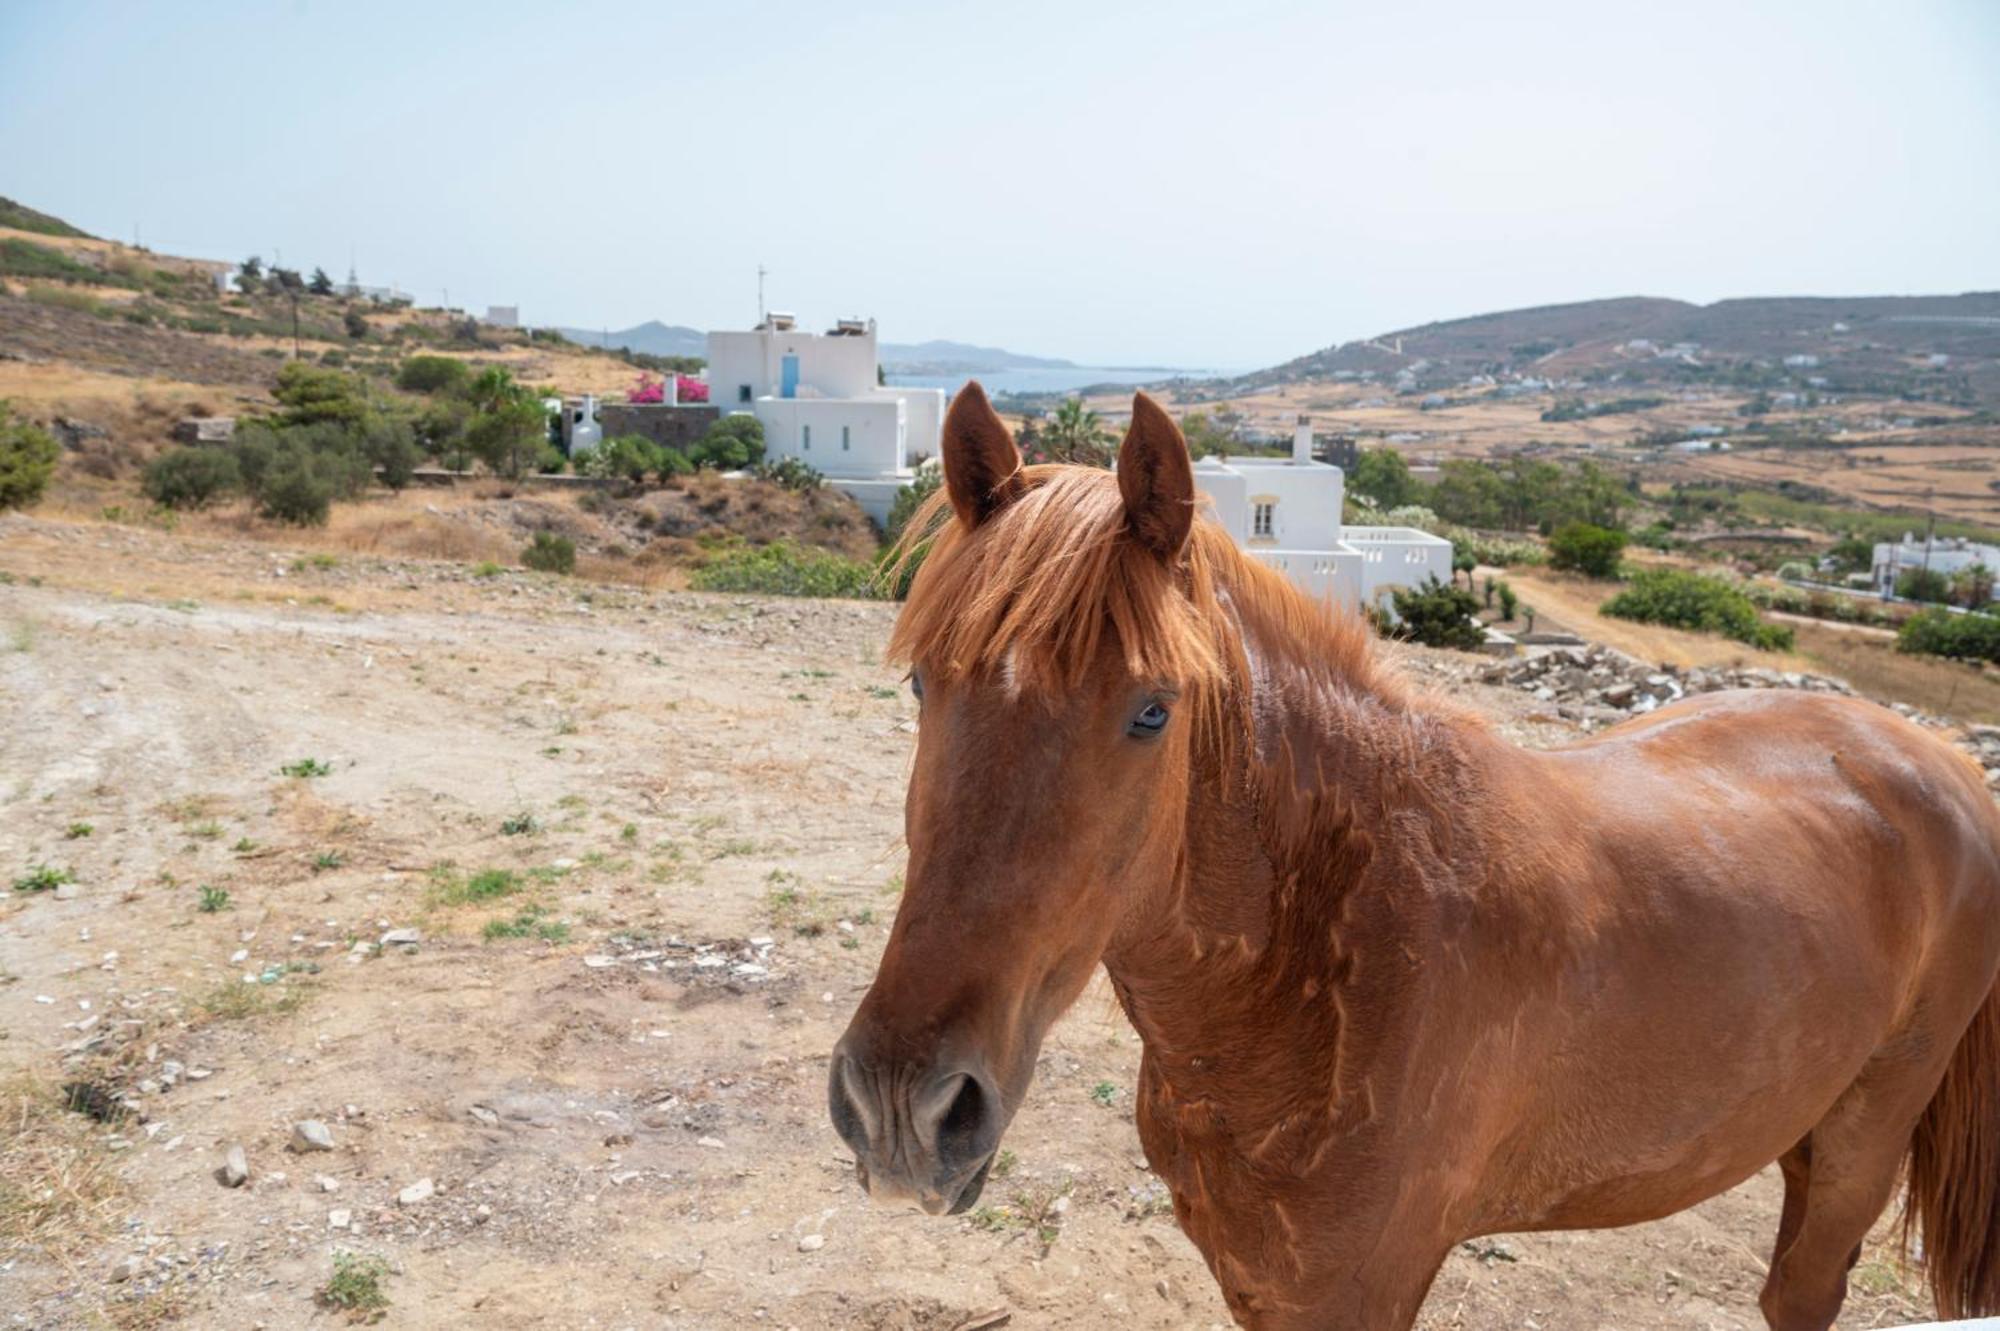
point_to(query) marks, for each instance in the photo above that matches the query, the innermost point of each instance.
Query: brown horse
(1400, 982)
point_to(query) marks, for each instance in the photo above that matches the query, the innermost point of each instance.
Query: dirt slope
(623, 1127)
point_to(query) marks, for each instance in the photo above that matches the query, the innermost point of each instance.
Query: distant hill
(942, 357)
(23, 218)
(1855, 343)
(652, 337)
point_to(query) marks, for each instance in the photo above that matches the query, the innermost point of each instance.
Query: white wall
(923, 421)
(1394, 557)
(874, 426)
(828, 366)
(1306, 515)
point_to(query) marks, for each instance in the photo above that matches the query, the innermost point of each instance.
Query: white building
(819, 399)
(1286, 513)
(1946, 555)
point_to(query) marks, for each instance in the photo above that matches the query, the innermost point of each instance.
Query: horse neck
(1310, 841)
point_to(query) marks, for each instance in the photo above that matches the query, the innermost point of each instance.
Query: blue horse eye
(1149, 722)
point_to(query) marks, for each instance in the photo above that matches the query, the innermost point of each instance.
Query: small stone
(235, 1168)
(326, 1184)
(309, 1134)
(812, 1243)
(124, 1269)
(339, 1219)
(483, 1116)
(420, 1191)
(407, 937)
(712, 1143)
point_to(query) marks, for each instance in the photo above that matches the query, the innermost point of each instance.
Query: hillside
(20, 217)
(652, 337)
(1880, 344)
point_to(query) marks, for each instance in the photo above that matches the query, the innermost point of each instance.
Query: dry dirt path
(620, 1111)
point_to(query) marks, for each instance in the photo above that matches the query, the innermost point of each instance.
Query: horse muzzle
(920, 1133)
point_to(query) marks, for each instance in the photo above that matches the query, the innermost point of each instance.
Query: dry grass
(57, 1187)
(1872, 664)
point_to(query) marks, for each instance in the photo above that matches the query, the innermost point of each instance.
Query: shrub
(433, 374)
(1968, 637)
(1438, 614)
(1586, 548)
(190, 477)
(1509, 602)
(1680, 599)
(297, 487)
(550, 553)
(632, 456)
(783, 569)
(1793, 570)
(790, 473)
(1923, 584)
(390, 445)
(734, 441)
(27, 460)
(312, 395)
(356, 324)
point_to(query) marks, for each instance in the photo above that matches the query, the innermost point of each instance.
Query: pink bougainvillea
(652, 390)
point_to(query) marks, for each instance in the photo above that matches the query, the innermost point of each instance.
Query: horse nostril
(967, 1131)
(844, 1105)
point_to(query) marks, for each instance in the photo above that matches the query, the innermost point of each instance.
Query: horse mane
(1036, 586)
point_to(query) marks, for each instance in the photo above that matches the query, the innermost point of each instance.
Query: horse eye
(917, 686)
(1148, 723)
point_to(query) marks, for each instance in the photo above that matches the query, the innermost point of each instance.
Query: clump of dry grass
(57, 1187)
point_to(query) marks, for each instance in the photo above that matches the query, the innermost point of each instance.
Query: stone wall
(677, 426)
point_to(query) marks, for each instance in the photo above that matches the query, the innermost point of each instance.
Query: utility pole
(295, 324)
(761, 271)
(1930, 528)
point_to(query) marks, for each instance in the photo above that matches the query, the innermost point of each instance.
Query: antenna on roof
(761, 271)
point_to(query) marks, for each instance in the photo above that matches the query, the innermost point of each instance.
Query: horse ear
(1156, 479)
(982, 468)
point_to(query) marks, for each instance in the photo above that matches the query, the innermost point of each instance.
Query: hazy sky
(1207, 185)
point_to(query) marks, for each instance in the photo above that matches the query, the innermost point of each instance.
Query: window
(742, 392)
(805, 438)
(843, 438)
(1261, 514)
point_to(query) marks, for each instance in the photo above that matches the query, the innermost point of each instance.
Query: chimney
(1302, 441)
(672, 395)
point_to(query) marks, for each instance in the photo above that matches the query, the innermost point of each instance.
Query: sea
(1065, 379)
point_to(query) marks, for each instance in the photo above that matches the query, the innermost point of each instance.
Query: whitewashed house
(1286, 513)
(819, 399)
(1946, 555)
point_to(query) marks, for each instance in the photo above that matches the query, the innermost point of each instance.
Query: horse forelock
(1033, 590)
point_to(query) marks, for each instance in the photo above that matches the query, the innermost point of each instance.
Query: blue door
(788, 377)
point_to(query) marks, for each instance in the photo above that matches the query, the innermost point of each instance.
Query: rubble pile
(1596, 685)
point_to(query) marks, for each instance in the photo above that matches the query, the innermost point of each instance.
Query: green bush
(790, 473)
(1438, 614)
(731, 443)
(24, 258)
(550, 553)
(27, 460)
(1585, 548)
(298, 485)
(631, 456)
(1680, 599)
(1967, 637)
(433, 374)
(190, 477)
(1509, 602)
(1923, 584)
(783, 569)
(313, 395)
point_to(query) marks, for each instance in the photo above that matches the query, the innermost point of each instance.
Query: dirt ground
(608, 1060)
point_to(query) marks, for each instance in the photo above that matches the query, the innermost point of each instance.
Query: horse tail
(1954, 1176)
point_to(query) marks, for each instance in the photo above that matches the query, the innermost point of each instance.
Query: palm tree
(1076, 434)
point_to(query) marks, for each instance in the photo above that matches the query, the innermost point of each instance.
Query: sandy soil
(624, 1126)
